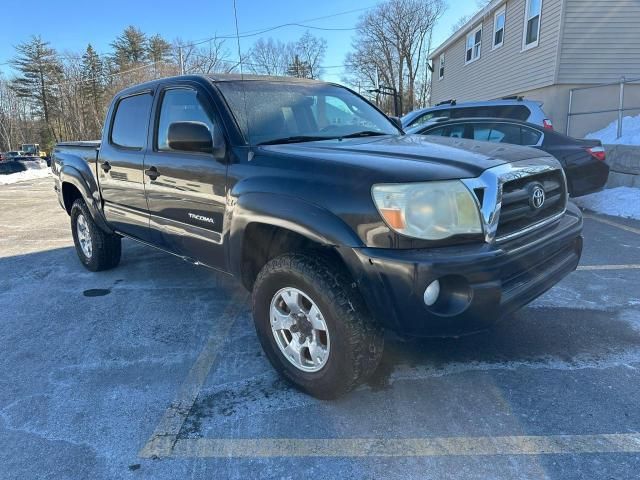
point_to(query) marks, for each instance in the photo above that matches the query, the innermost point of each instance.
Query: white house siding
(600, 41)
(507, 70)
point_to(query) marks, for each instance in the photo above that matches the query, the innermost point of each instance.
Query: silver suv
(516, 108)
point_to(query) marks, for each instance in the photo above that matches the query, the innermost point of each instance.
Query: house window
(441, 69)
(498, 27)
(532, 24)
(474, 42)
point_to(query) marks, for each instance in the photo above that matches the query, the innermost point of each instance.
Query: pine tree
(158, 50)
(130, 47)
(93, 87)
(40, 69)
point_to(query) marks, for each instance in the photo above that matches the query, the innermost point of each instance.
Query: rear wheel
(314, 326)
(96, 249)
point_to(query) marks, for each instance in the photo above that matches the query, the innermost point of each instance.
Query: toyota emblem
(537, 197)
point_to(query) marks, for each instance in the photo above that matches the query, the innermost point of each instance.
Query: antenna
(235, 15)
(244, 91)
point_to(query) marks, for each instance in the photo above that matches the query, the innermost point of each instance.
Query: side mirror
(196, 137)
(190, 137)
(396, 121)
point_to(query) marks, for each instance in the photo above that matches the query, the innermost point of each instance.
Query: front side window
(532, 23)
(278, 112)
(181, 105)
(441, 70)
(129, 128)
(451, 131)
(474, 43)
(498, 27)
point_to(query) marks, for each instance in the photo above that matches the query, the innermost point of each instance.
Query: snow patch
(630, 132)
(619, 202)
(33, 172)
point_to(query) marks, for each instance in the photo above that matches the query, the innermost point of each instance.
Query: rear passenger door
(186, 191)
(120, 165)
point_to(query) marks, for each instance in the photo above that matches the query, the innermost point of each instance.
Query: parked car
(9, 167)
(583, 161)
(12, 154)
(339, 228)
(516, 108)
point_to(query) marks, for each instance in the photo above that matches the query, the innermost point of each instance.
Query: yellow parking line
(630, 266)
(409, 447)
(163, 438)
(614, 224)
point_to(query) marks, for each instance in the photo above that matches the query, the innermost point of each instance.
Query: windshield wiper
(294, 139)
(363, 133)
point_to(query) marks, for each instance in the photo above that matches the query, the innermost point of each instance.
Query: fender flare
(89, 191)
(290, 213)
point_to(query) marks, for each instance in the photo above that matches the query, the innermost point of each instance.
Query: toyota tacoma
(339, 224)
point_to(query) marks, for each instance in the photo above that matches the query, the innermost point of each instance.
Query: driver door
(186, 190)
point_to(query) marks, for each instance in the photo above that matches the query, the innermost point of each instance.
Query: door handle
(152, 173)
(106, 166)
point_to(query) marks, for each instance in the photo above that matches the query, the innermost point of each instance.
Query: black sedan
(583, 161)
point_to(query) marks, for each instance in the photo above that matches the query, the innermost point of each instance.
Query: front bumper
(479, 283)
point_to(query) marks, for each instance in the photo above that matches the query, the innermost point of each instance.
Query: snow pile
(630, 132)
(32, 173)
(620, 202)
(34, 164)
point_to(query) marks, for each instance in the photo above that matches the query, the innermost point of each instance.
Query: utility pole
(180, 59)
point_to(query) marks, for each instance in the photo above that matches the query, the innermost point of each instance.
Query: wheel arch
(75, 185)
(264, 226)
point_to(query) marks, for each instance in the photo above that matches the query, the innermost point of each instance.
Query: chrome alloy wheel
(84, 236)
(299, 329)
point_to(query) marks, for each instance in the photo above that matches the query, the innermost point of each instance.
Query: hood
(411, 157)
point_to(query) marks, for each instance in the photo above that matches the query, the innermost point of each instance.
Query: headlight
(430, 210)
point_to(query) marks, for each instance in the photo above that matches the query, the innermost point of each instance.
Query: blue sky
(70, 25)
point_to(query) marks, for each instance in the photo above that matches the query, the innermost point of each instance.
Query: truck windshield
(286, 112)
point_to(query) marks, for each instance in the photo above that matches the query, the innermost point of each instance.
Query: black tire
(106, 248)
(356, 341)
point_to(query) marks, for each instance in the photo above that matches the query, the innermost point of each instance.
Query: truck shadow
(554, 336)
(535, 335)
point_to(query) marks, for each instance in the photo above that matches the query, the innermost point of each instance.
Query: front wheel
(314, 326)
(96, 249)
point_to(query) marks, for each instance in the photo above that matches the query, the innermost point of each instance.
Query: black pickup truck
(339, 224)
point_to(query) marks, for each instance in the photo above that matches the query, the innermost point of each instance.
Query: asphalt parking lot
(153, 371)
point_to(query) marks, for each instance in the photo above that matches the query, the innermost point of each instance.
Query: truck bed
(86, 150)
(80, 144)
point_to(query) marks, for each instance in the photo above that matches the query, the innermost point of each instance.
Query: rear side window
(505, 133)
(470, 112)
(129, 127)
(421, 120)
(530, 136)
(516, 112)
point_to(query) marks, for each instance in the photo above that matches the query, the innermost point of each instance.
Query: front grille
(518, 211)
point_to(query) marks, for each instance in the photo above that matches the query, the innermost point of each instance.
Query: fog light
(431, 293)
